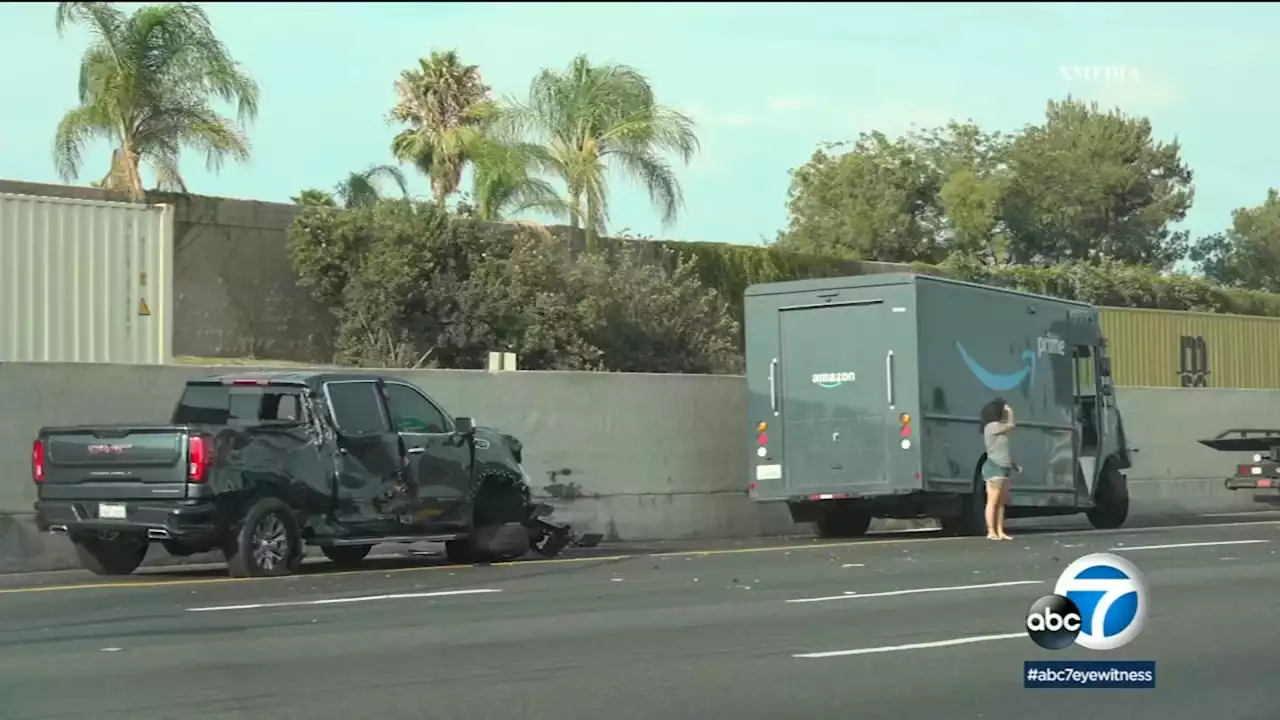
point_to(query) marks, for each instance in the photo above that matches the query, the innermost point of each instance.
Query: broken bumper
(549, 537)
(158, 521)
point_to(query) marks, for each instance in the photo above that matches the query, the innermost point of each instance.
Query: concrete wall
(649, 456)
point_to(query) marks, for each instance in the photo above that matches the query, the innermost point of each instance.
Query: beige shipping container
(1164, 348)
(85, 281)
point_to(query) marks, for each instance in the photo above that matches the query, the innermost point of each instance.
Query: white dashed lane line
(1125, 548)
(913, 646)
(913, 591)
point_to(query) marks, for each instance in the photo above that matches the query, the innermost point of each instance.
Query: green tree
(917, 198)
(359, 189)
(506, 182)
(446, 107)
(147, 84)
(1091, 186)
(414, 285)
(1248, 254)
(592, 118)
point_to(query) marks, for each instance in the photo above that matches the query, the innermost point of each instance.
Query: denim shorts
(991, 471)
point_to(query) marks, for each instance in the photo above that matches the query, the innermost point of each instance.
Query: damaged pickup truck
(260, 465)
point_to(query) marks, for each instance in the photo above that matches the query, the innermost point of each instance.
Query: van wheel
(972, 519)
(1111, 500)
(347, 556)
(266, 542)
(120, 555)
(843, 522)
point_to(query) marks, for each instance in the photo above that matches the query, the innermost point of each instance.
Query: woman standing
(997, 423)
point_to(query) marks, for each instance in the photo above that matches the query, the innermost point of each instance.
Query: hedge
(731, 268)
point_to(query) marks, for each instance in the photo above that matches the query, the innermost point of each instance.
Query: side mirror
(1106, 367)
(464, 426)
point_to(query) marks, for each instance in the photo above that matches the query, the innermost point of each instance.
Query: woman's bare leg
(994, 493)
(1004, 501)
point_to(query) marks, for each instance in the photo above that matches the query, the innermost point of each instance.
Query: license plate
(768, 472)
(111, 511)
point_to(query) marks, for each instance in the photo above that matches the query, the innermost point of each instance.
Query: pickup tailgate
(114, 463)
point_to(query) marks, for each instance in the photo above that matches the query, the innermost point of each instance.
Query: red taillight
(1244, 469)
(37, 461)
(197, 458)
(763, 439)
(247, 381)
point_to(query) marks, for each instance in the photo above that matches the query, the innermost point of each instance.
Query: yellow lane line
(209, 581)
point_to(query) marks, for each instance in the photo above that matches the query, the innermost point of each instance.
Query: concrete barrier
(648, 457)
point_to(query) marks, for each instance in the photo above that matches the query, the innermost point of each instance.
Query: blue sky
(766, 83)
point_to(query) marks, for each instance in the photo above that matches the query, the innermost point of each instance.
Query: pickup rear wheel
(266, 542)
(346, 556)
(119, 555)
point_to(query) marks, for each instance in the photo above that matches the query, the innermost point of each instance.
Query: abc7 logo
(1054, 622)
(1114, 594)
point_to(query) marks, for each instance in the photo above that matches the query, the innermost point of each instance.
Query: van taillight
(197, 458)
(37, 461)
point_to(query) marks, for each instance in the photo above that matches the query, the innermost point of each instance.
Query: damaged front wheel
(489, 544)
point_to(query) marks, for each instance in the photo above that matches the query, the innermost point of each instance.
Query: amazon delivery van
(864, 396)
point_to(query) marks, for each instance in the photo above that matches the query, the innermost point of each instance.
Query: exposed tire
(843, 522)
(489, 544)
(1111, 500)
(266, 542)
(347, 556)
(118, 556)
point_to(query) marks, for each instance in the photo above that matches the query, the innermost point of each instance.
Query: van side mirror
(1105, 367)
(464, 426)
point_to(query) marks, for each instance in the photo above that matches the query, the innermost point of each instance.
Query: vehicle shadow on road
(398, 558)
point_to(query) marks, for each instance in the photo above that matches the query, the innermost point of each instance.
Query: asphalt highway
(912, 625)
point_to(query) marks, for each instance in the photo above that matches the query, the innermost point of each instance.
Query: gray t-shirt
(997, 444)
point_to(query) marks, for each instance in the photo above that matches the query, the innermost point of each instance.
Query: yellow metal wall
(1163, 348)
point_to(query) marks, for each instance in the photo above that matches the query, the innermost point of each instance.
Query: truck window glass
(218, 405)
(356, 408)
(412, 412)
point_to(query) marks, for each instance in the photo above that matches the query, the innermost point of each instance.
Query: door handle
(888, 377)
(773, 386)
(417, 450)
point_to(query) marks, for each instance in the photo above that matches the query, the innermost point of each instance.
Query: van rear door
(837, 397)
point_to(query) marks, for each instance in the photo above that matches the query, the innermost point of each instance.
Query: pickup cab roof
(309, 378)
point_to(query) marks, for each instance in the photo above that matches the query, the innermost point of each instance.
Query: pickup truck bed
(1261, 472)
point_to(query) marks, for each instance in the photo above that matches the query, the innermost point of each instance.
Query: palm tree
(505, 182)
(446, 105)
(146, 84)
(588, 118)
(359, 189)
